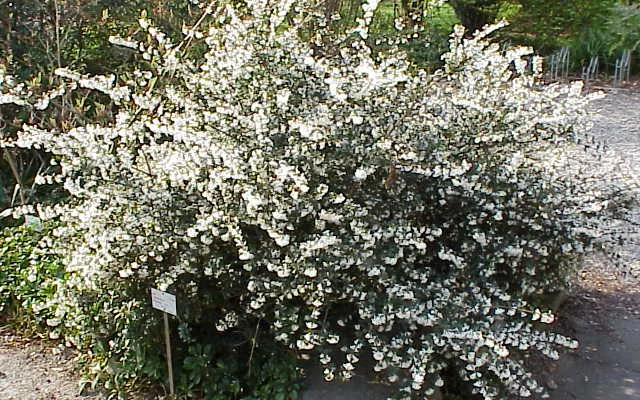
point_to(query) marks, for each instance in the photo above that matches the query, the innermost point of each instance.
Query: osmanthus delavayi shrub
(339, 201)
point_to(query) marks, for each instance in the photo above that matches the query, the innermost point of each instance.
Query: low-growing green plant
(28, 277)
(308, 196)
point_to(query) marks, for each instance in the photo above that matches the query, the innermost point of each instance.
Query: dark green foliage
(549, 24)
(593, 27)
(474, 14)
(207, 372)
(427, 50)
(27, 276)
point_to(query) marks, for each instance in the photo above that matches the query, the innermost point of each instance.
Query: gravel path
(33, 371)
(30, 370)
(603, 313)
(617, 122)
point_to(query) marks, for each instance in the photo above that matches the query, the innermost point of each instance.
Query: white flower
(333, 339)
(325, 359)
(328, 374)
(40, 180)
(311, 272)
(253, 202)
(257, 303)
(304, 345)
(280, 239)
(191, 232)
(330, 217)
(282, 97)
(480, 238)
(536, 315)
(118, 41)
(244, 255)
(547, 318)
(501, 351)
(125, 273)
(360, 174)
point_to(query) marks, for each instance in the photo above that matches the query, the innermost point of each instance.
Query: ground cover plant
(305, 196)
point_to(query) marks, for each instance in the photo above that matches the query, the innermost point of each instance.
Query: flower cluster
(348, 199)
(20, 94)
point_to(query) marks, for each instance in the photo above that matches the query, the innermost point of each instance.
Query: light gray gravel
(30, 370)
(616, 121)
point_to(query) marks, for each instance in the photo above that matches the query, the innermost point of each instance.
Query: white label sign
(33, 223)
(163, 301)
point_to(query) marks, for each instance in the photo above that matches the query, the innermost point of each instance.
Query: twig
(254, 341)
(14, 169)
(57, 22)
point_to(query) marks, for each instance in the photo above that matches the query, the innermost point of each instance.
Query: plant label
(163, 301)
(33, 222)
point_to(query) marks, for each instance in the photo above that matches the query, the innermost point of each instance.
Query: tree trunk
(474, 14)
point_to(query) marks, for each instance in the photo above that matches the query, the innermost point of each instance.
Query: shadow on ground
(603, 314)
(605, 318)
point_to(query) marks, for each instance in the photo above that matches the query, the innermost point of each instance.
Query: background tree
(547, 24)
(474, 14)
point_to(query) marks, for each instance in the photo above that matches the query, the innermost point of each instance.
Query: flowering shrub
(333, 200)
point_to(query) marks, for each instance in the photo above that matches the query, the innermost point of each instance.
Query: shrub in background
(309, 197)
(427, 49)
(617, 30)
(547, 25)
